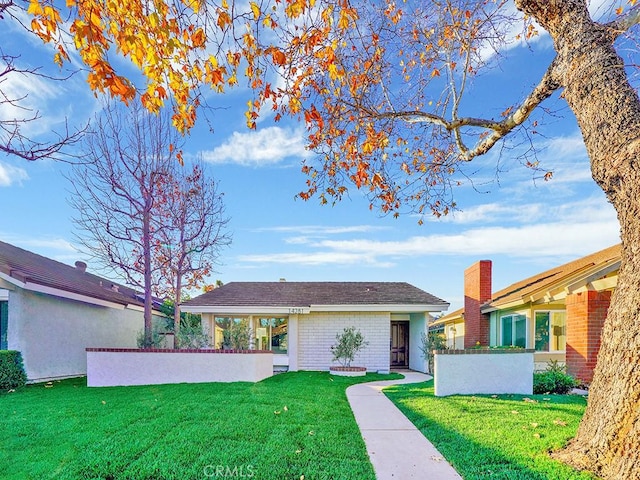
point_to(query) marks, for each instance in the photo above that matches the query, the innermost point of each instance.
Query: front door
(400, 344)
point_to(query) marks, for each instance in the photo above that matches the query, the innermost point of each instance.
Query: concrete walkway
(397, 449)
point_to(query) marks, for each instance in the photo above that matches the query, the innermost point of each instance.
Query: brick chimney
(477, 291)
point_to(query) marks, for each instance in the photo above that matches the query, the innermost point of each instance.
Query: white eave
(35, 287)
(293, 310)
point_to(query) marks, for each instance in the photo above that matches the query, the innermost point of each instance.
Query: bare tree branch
(625, 21)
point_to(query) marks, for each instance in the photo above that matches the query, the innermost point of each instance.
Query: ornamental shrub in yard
(348, 344)
(553, 380)
(12, 373)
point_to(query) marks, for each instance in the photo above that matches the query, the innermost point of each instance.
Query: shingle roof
(524, 288)
(30, 268)
(280, 294)
(547, 279)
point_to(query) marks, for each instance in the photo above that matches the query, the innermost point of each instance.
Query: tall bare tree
(128, 156)
(193, 233)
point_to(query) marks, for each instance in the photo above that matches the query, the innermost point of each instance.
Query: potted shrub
(348, 344)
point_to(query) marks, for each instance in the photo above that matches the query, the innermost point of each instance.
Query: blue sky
(522, 224)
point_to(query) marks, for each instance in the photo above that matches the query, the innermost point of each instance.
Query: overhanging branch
(627, 20)
(545, 88)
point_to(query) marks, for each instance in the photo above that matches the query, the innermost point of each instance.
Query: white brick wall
(317, 332)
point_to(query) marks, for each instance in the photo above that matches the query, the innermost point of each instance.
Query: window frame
(549, 312)
(513, 316)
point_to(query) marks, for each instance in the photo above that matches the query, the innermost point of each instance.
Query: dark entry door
(399, 344)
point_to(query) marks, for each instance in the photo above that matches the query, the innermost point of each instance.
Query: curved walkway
(397, 449)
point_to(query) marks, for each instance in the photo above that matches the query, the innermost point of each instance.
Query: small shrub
(430, 342)
(192, 337)
(553, 380)
(157, 339)
(12, 374)
(349, 343)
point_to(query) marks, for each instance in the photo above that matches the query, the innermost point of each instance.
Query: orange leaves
(198, 38)
(312, 116)
(278, 56)
(224, 19)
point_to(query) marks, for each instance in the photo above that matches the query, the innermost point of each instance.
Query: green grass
(284, 427)
(495, 437)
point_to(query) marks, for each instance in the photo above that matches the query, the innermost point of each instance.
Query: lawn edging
(110, 367)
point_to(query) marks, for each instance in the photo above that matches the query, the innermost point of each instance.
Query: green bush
(553, 380)
(12, 373)
(192, 337)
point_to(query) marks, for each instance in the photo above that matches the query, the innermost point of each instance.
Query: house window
(550, 334)
(251, 333)
(4, 323)
(271, 334)
(513, 331)
(232, 333)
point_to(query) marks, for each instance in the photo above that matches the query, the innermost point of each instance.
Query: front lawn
(284, 427)
(495, 437)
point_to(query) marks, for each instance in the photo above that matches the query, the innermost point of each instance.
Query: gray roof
(26, 267)
(281, 294)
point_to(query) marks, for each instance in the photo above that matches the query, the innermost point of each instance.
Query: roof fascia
(506, 306)
(36, 287)
(255, 310)
(395, 308)
(594, 277)
(574, 282)
(244, 310)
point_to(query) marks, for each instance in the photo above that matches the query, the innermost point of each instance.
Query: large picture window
(251, 333)
(550, 333)
(513, 331)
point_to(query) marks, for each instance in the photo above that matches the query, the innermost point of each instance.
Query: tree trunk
(176, 311)
(146, 247)
(608, 113)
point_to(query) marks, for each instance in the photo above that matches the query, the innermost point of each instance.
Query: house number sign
(296, 310)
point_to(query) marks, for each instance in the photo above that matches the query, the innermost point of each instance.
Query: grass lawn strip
(284, 427)
(495, 437)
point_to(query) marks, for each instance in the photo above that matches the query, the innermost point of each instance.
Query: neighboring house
(299, 321)
(559, 313)
(51, 312)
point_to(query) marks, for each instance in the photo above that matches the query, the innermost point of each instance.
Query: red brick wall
(477, 291)
(586, 313)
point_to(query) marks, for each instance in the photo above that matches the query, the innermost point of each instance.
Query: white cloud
(322, 229)
(10, 175)
(549, 240)
(266, 146)
(558, 232)
(317, 259)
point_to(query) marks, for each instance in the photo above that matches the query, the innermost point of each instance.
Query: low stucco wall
(467, 372)
(108, 367)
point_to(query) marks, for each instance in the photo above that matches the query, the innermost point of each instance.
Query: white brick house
(299, 321)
